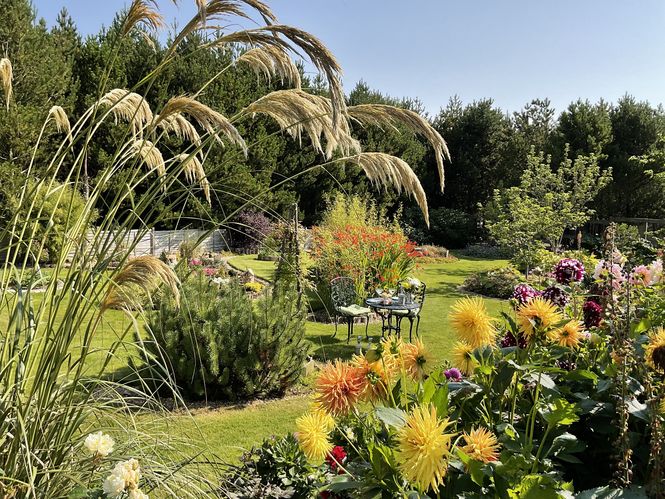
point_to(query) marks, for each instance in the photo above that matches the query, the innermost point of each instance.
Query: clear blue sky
(510, 50)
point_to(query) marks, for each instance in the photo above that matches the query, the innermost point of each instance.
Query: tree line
(490, 148)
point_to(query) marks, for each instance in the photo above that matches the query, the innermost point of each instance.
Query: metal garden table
(385, 311)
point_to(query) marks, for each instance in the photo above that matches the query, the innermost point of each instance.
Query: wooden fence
(156, 242)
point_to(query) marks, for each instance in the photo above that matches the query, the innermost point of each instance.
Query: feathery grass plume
(217, 9)
(179, 126)
(381, 114)
(145, 274)
(296, 111)
(299, 42)
(194, 172)
(61, 120)
(272, 61)
(6, 77)
(144, 13)
(384, 169)
(149, 154)
(209, 119)
(128, 106)
(323, 60)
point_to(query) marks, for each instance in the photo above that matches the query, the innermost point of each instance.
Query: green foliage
(498, 283)
(448, 227)
(355, 241)
(275, 469)
(545, 260)
(220, 344)
(534, 215)
(61, 208)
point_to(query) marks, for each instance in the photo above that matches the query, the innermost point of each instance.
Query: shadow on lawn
(327, 347)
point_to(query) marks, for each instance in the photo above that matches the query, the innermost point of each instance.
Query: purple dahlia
(524, 293)
(557, 296)
(453, 374)
(569, 270)
(593, 313)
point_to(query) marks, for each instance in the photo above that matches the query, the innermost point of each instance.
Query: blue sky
(510, 50)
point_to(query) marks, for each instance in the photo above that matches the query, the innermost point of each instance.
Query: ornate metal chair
(414, 315)
(344, 299)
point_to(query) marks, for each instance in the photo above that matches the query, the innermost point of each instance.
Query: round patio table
(385, 311)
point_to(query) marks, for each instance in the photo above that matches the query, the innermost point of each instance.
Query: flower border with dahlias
(536, 402)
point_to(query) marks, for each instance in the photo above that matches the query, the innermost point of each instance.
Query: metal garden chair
(414, 315)
(345, 304)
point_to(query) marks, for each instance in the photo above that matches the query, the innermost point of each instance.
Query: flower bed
(560, 396)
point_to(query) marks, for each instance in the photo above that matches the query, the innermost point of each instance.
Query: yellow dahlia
(327, 419)
(313, 432)
(424, 448)
(569, 335)
(463, 357)
(654, 351)
(415, 358)
(470, 319)
(375, 380)
(481, 445)
(390, 351)
(537, 315)
(338, 388)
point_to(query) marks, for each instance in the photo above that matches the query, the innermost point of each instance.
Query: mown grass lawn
(222, 432)
(228, 430)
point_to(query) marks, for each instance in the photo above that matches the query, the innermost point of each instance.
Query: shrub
(372, 251)
(275, 469)
(636, 248)
(250, 230)
(483, 250)
(220, 344)
(448, 227)
(545, 260)
(498, 283)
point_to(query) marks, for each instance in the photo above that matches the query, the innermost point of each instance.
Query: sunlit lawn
(223, 432)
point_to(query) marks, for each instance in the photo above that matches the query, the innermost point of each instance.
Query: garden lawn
(223, 432)
(227, 430)
(442, 279)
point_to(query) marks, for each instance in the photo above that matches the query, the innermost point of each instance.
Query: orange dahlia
(481, 445)
(375, 379)
(569, 335)
(338, 387)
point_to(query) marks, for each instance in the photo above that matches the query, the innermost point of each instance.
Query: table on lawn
(385, 308)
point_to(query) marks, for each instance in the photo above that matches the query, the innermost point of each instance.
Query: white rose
(99, 444)
(114, 485)
(130, 471)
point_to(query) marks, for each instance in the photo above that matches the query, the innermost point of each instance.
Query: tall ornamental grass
(57, 380)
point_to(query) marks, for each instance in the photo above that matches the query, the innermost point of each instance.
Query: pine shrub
(222, 345)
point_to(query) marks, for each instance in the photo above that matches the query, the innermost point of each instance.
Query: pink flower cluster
(643, 275)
